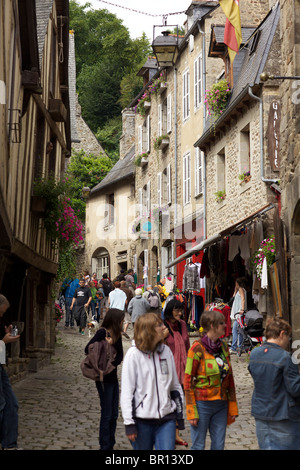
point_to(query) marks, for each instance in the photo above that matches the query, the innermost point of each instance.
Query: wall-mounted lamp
(266, 76)
(86, 192)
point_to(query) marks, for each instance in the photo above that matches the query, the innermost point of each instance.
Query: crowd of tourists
(168, 383)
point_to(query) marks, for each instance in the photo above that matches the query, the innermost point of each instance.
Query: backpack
(107, 286)
(99, 361)
(153, 300)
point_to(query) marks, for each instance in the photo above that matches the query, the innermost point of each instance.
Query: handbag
(99, 360)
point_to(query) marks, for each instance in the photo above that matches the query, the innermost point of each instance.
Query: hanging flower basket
(216, 99)
(266, 250)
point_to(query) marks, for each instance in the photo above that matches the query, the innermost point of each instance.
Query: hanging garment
(191, 280)
(264, 276)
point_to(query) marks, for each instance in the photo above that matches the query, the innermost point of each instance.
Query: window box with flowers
(161, 142)
(141, 160)
(216, 99)
(220, 196)
(266, 251)
(245, 177)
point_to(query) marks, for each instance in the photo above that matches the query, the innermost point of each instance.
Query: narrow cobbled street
(59, 408)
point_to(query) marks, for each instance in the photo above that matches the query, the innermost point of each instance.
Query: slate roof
(255, 55)
(124, 169)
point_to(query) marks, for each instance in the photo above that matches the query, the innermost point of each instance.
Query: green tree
(84, 170)
(105, 56)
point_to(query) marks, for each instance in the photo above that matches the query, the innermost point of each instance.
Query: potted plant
(220, 196)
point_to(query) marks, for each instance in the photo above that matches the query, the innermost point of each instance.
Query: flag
(233, 30)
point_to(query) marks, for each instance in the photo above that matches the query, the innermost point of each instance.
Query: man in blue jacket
(70, 287)
(276, 396)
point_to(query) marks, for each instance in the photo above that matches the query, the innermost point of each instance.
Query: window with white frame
(245, 156)
(147, 198)
(146, 135)
(197, 82)
(166, 186)
(221, 171)
(165, 116)
(186, 94)
(140, 139)
(169, 113)
(187, 179)
(198, 171)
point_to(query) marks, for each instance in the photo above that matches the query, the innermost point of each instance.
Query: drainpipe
(261, 131)
(204, 124)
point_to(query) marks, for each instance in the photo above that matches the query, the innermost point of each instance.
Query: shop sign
(273, 135)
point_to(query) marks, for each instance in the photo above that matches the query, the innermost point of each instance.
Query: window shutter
(198, 172)
(159, 198)
(148, 200)
(169, 186)
(140, 208)
(148, 134)
(159, 119)
(169, 113)
(140, 139)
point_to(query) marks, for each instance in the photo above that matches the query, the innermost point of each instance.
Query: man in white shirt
(8, 400)
(117, 298)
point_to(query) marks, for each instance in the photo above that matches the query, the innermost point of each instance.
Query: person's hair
(3, 301)
(105, 276)
(274, 326)
(130, 271)
(144, 331)
(138, 291)
(242, 281)
(113, 322)
(117, 284)
(173, 304)
(210, 318)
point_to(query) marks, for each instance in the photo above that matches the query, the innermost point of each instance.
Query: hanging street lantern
(165, 48)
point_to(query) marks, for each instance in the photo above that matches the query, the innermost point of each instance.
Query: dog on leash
(93, 326)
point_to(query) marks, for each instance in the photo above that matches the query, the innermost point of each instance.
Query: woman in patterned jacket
(209, 384)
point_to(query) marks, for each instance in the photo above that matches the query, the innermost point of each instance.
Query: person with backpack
(153, 299)
(138, 306)
(108, 390)
(107, 288)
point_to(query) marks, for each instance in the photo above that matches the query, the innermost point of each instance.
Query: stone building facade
(290, 151)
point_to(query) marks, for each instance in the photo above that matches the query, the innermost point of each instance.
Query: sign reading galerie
(273, 135)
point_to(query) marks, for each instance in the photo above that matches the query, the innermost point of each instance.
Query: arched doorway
(101, 262)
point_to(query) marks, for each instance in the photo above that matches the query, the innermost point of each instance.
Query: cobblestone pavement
(59, 408)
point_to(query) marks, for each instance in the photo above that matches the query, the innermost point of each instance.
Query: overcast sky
(138, 23)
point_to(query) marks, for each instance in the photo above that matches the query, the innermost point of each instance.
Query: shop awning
(217, 237)
(195, 249)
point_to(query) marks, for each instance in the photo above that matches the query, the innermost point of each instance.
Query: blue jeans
(109, 402)
(8, 412)
(69, 313)
(159, 436)
(212, 417)
(237, 338)
(278, 435)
